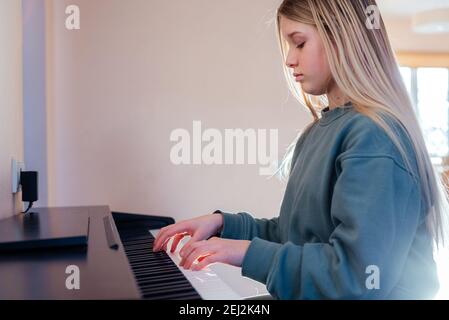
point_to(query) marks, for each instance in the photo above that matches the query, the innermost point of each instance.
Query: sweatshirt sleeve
(243, 226)
(376, 211)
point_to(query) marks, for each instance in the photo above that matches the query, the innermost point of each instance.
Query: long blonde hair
(364, 67)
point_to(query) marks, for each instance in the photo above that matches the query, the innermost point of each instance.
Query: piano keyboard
(207, 282)
(157, 276)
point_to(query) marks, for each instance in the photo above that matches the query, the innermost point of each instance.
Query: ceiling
(406, 8)
(398, 17)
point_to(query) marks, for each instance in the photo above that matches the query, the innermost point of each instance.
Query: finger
(168, 232)
(159, 241)
(163, 245)
(205, 261)
(187, 251)
(159, 237)
(176, 241)
(164, 235)
(197, 253)
(187, 247)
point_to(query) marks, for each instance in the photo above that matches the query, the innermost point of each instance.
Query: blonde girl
(363, 206)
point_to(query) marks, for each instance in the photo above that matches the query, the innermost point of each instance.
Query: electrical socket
(16, 168)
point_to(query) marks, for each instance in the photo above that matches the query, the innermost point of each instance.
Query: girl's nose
(290, 64)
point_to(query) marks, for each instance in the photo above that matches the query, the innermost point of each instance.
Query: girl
(363, 206)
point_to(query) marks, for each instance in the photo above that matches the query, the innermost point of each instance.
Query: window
(429, 90)
(426, 77)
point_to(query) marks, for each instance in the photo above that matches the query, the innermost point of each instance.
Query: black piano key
(145, 272)
(146, 252)
(163, 284)
(143, 264)
(149, 262)
(140, 246)
(166, 290)
(162, 277)
(136, 261)
(137, 252)
(163, 268)
(183, 295)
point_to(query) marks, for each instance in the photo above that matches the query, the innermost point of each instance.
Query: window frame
(414, 61)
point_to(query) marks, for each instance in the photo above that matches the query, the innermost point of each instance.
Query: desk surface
(104, 272)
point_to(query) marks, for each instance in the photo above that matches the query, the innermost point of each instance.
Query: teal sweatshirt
(351, 223)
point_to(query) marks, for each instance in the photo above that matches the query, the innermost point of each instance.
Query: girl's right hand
(201, 228)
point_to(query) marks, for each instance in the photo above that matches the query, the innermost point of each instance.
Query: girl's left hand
(213, 250)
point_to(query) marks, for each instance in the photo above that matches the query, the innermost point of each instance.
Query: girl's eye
(300, 46)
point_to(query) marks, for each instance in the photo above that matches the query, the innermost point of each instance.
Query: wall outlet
(16, 168)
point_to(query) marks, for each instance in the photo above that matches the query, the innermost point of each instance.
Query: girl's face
(306, 56)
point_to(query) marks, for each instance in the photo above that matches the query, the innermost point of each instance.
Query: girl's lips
(299, 77)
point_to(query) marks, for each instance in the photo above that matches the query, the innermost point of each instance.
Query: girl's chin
(311, 90)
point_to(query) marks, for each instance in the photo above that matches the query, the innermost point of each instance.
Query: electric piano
(118, 263)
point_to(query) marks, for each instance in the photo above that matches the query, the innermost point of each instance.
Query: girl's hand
(200, 228)
(214, 250)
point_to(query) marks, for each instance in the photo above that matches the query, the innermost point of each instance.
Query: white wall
(34, 93)
(139, 69)
(11, 136)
